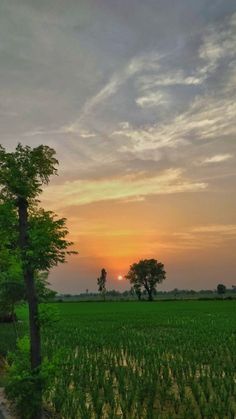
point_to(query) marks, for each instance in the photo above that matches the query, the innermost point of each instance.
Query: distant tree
(146, 274)
(113, 293)
(221, 289)
(101, 281)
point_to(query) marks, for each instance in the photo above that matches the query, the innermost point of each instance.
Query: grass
(141, 360)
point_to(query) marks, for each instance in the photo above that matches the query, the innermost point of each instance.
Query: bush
(25, 388)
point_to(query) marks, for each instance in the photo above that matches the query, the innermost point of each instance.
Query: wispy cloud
(225, 229)
(218, 158)
(82, 192)
(166, 78)
(152, 99)
(117, 80)
(204, 236)
(208, 117)
(218, 43)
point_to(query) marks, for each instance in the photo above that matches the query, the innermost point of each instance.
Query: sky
(138, 98)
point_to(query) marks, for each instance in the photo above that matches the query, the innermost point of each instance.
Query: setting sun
(120, 277)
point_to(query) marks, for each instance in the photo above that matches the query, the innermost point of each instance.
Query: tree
(39, 240)
(12, 289)
(136, 289)
(101, 281)
(12, 286)
(221, 289)
(146, 274)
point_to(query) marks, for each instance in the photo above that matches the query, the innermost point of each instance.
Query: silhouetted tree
(147, 273)
(221, 289)
(136, 289)
(101, 281)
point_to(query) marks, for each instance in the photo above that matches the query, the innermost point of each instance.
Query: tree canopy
(145, 275)
(24, 171)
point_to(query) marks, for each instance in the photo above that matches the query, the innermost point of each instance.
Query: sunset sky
(138, 98)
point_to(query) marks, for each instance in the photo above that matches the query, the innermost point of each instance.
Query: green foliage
(47, 247)
(9, 225)
(44, 293)
(24, 387)
(10, 263)
(47, 240)
(12, 289)
(33, 240)
(24, 171)
(48, 317)
(146, 274)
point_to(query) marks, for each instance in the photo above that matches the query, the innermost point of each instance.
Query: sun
(120, 277)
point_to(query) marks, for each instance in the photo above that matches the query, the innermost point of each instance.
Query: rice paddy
(143, 360)
(140, 360)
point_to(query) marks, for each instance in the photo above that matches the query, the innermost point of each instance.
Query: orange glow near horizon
(177, 229)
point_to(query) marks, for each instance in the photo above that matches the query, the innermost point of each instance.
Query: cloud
(118, 79)
(225, 229)
(152, 99)
(82, 192)
(149, 61)
(210, 114)
(203, 236)
(208, 117)
(218, 43)
(218, 158)
(166, 78)
(75, 128)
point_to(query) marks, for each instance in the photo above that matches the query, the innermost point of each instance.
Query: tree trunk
(34, 326)
(150, 298)
(149, 291)
(14, 319)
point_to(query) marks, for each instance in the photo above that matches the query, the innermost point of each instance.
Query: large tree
(146, 274)
(38, 240)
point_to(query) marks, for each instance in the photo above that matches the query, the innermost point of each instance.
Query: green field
(142, 360)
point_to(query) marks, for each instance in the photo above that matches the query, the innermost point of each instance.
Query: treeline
(129, 295)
